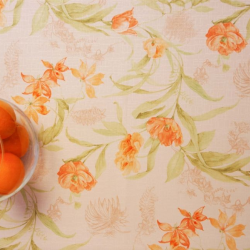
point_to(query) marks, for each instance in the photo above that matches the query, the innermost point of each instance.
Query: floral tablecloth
(142, 113)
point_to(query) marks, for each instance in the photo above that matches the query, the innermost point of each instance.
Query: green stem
(74, 104)
(247, 173)
(31, 196)
(179, 61)
(146, 32)
(52, 110)
(96, 148)
(221, 239)
(177, 99)
(34, 228)
(150, 21)
(241, 14)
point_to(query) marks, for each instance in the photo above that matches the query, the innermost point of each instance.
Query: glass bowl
(31, 157)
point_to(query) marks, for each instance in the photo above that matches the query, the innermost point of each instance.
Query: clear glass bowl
(31, 157)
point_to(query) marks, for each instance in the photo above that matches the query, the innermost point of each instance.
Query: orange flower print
(193, 222)
(126, 157)
(223, 224)
(36, 105)
(85, 75)
(39, 86)
(156, 247)
(124, 23)
(55, 73)
(76, 177)
(155, 47)
(175, 235)
(225, 38)
(166, 130)
(3, 19)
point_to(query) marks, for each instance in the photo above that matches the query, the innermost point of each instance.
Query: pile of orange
(15, 142)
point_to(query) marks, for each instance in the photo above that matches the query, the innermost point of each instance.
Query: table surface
(141, 109)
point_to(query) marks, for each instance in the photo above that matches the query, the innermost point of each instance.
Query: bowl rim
(36, 150)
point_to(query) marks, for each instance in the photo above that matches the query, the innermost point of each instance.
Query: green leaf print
(234, 3)
(4, 242)
(149, 113)
(248, 30)
(165, 113)
(120, 86)
(76, 246)
(118, 112)
(215, 159)
(54, 148)
(72, 100)
(175, 166)
(146, 106)
(232, 17)
(40, 18)
(83, 155)
(16, 16)
(79, 142)
(48, 135)
(2, 213)
(11, 247)
(151, 4)
(196, 2)
(141, 64)
(56, 2)
(203, 9)
(62, 104)
(189, 124)
(107, 132)
(132, 89)
(115, 127)
(34, 246)
(148, 142)
(225, 67)
(78, 25)
(180, 3)
(101, 164)
(196, 87)
(236, 166)
(211, 114)
(98, 16)
(50, 224)
(152, 154)
(214, 173)
(204, 140)
(77, 205)
(79, 10)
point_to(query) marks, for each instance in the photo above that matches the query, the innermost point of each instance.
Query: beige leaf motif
(105, 217)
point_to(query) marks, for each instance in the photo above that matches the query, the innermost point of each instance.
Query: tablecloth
(141, 108)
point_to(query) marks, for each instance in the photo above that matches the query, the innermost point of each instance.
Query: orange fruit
(7, 120)
(18, 142)
(11, 173)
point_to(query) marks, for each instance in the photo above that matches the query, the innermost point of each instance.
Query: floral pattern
(166, 130)
(224, 225)
(36, 105)
(124, 23)
(225, 38)
(126, 157)
(155, 47)
(140, 111)
(84, 75)
(76, 177)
